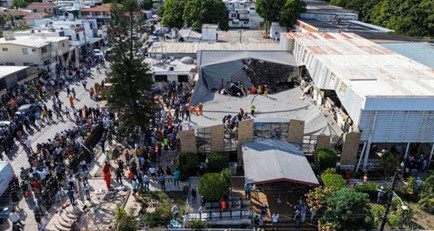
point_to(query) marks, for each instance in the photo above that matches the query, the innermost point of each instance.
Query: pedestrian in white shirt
(15, 218)
(275, 220)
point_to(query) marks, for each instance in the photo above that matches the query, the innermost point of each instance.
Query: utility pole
(389, 202)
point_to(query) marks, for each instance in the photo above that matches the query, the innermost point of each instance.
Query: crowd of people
(140, 162)
(51, 175)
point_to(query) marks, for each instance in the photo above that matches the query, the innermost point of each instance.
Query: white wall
(398, 126)
(209, 34)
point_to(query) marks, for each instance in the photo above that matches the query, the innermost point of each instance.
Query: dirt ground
(422, 218)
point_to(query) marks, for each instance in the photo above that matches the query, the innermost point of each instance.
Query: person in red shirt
(106, 168)
(127, 156)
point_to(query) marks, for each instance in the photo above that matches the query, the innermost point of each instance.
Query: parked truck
(6, 176)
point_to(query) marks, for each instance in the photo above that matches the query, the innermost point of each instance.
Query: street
(48, 132)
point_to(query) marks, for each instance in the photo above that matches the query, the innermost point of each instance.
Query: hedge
(217, 161)
(325, 158)
(188, 165)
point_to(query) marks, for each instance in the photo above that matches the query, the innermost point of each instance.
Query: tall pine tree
(131, 80)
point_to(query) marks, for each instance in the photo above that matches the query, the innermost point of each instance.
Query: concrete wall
(217, 138)
(350, 148)
(188, 141)
(323, 142)
(296, 131)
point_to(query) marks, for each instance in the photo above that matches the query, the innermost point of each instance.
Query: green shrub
(325, 158)
(161, 216)
(367, 187)
(124, 221)
(188, 165)
(333, 181)
(198, 224)
(213, 186)
(217, 161)
(377, 212)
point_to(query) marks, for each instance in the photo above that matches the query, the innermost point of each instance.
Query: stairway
(64, 219)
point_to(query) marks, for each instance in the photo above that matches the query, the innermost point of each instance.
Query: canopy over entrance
(271, 161)
(218, 68)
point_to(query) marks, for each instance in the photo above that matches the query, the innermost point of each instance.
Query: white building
(242, 14)
(386, 97)
(209, 32)
(41, 51)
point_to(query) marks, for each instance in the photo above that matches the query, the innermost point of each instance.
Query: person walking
(200, 109)
(70, 194)
(162, 181)
(146, 181)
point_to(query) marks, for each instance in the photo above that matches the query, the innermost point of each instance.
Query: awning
(93, 40)
(270, 161)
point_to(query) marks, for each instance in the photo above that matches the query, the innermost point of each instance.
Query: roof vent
(171, 68)
(9, 35)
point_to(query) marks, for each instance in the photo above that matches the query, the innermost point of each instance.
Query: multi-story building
(242, 14)
(32, 50)
(42, 7)
(100, 13)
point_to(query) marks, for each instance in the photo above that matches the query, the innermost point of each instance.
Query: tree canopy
(290, 12)
(198, 12)
(407, 17)
(347, 209)
(285, 12)
(129, 96)
(147, 4)
(214, 186)
(173, 13)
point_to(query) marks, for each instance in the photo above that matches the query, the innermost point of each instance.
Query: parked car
(161, 31)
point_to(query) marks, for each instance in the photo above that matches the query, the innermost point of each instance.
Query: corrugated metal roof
(269, 161)
(191, 48)
(7, 70)
(369, 69)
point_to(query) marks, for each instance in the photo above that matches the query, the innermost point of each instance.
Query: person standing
(162, 181)
(146, 181)
(14, 216)
(252, 109)
(119, 173)
(247, 189)
(176, 177)
(200, 109)
(275, 221)
(70, 194)
(86, 190)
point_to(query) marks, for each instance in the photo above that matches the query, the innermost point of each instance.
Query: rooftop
(35, 16)
(97, 9)
(322, 6)
(421, 52)
(270, 161)
(369, 69)
(32, 41)
(190, 48)
(162, 68)
(41, 5)
(7, 70)
(343, 26)
(278, 107)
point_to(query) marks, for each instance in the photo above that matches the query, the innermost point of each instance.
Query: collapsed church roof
(217, 68)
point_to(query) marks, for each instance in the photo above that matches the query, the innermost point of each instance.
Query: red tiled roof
(97, 9)
(34, 16)
(15, 13)
(41, 5)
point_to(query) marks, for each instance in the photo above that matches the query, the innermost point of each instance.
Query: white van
(6, 175)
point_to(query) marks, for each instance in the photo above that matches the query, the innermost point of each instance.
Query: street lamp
(389, 200)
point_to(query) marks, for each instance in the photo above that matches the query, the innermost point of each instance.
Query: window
(44, 49)
(77, 36)
(25, 51)
(27, 64)
(161, 78)
(63, 44)
(10, 64)
(183, 78)
(4, 49)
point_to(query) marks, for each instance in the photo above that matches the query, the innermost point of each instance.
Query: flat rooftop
(7, 70)
(32, 41)
(369, 69)
(421, 52)
(322, 6)
(192, 48)
(162, 68)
